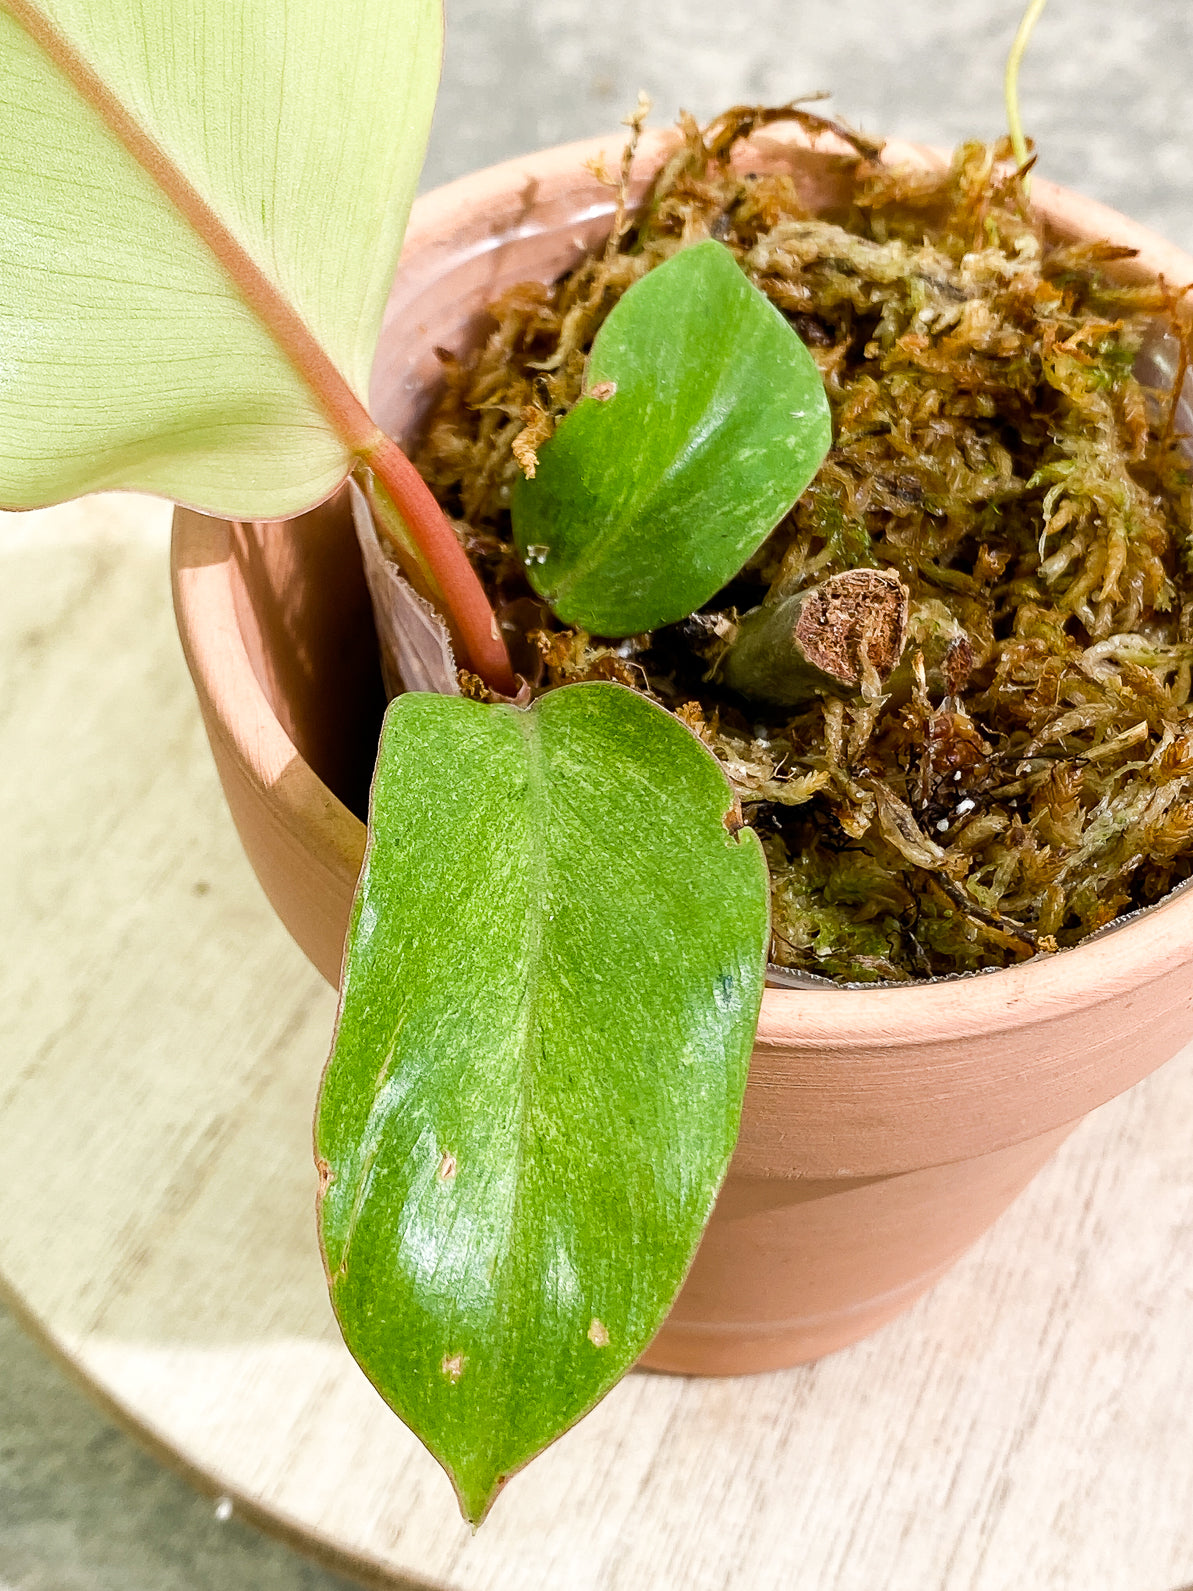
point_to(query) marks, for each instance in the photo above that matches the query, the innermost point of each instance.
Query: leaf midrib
(349, 418)
(529, 1046)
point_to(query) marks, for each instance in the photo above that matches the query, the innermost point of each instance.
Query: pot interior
(307, 623)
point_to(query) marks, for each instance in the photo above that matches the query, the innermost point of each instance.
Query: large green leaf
(704, 419)
(201, 207)
(553, 978)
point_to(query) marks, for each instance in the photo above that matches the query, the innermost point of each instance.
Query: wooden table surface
(1027, 1425)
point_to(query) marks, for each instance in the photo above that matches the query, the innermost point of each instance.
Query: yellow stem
(1011, 85)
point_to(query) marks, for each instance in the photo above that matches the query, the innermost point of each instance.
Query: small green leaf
(709, 419)
(553, 978)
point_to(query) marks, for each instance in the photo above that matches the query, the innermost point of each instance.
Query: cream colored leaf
(201, 207)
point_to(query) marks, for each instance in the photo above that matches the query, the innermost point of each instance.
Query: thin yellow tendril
(1011, 85)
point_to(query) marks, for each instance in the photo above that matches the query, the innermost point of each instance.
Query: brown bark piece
(860, 613)
(824, 639)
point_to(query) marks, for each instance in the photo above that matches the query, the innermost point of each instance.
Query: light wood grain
(1025, 1426)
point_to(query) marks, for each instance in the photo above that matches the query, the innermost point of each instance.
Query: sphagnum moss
(1026, 774)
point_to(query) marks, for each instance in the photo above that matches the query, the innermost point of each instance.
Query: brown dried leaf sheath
(1026, 774)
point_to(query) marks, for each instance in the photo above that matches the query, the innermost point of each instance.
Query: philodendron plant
(558, 946)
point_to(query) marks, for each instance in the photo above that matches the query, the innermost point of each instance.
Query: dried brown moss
(1026, 775)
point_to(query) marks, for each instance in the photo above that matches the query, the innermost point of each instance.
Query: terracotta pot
(884, 1129)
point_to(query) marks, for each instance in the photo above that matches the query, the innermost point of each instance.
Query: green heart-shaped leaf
(703, 421)
(553, 978)
(201, 207)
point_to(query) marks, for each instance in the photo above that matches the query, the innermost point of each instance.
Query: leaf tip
(477, 1498)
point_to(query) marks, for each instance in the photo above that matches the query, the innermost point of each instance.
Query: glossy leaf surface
(553, 979)
(710, 419)
(201, 207)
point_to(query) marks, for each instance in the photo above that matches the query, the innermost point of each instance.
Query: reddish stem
(446, 561)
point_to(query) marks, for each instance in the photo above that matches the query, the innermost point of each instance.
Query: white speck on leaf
(447, 1167)
(453, 1367)
(223, 1509)
(598, 1334)
(603, 391)
(536, 553)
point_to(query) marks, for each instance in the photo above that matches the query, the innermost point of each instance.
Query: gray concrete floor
(1106, 93)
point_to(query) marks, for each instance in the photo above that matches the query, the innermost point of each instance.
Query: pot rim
(825, 1027)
